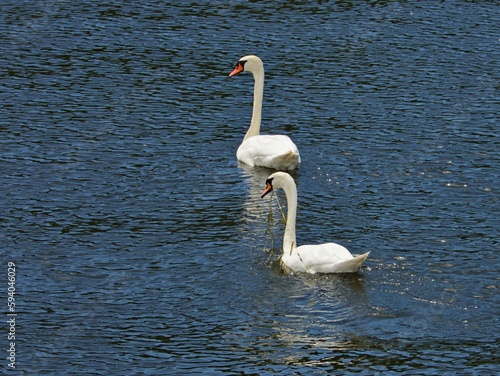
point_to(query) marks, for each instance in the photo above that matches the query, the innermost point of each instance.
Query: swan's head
(277, 180)
(249, 63)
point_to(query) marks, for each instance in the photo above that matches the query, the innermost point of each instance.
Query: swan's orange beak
(238, 69)
(268, 189)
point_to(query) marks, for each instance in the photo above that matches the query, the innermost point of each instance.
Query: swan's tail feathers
(359, 260)
(352, 265)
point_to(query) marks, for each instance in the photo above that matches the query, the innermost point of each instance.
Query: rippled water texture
(143, 248)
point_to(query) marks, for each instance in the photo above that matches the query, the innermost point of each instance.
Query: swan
(322, 258)
(273, 151)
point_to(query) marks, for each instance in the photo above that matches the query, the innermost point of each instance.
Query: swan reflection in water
(304, 311)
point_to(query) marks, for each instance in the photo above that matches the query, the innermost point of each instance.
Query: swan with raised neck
(272, 151)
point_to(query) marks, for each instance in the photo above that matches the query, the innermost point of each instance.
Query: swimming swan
(272, 151)
(322, 258)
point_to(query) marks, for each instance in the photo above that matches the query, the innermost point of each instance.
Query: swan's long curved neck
(258, 93)
(289, 241)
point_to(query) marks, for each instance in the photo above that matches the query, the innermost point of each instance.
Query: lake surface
(143, 248)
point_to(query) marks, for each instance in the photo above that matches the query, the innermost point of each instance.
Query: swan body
(272, 151)
(322, 258)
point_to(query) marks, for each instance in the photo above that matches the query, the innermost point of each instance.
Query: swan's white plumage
(272, 151)
(321, 258)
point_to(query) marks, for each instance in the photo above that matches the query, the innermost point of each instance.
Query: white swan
(322, 258)
(272, 151)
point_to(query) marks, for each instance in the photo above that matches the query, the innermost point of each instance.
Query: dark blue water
(142, 247)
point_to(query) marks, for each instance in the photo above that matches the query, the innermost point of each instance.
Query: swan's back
(347, 266)
(323, 258)
(272, 151)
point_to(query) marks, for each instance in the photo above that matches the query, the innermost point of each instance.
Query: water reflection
(299, 317)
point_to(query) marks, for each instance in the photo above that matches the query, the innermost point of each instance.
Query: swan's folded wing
(273, 151)
(329, 258)
(347, 266)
